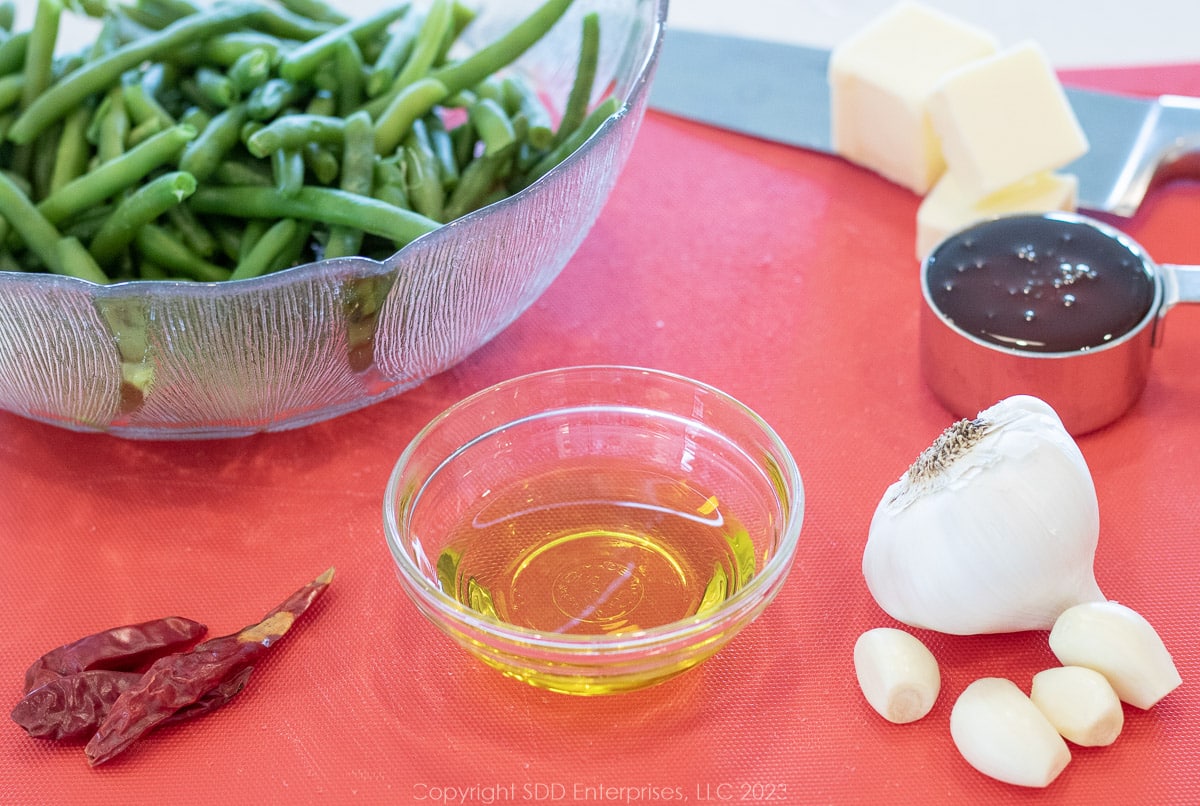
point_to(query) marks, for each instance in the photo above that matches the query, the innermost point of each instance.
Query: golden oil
(596, 550)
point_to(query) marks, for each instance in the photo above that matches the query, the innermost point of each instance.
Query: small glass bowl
(594, 529)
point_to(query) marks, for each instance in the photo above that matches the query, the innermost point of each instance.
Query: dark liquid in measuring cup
(1041, 284)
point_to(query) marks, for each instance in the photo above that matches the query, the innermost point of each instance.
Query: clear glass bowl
(320, 340)
(594, 529)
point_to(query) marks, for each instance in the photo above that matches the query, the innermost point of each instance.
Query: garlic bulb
(993, 529)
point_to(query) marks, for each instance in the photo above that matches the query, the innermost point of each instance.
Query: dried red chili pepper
(177, 683)
(73, 706)
(124, 648)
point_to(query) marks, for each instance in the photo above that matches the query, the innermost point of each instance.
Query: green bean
(12, 52)
(253, 230)
(108, 39)
(395, 53)
(464, 138)
(113, 127)
(294, 253)
(430, 37)
(249, 129)
(38, 163)
(303, 61)
(432, 31)
(250, 70)
(216, 87)
(226, 49)
(140, 208)
(478, 180)
(316, 204)
(268, 100)
(580, 97)
(425, 190)
(71, 159)
(503, 51)
(463, 15)
(85, 225)
(235, 172)
(494, 128)
(11, 87)
(38, 234)
(287, 165)
(194, 234)
(149, 270)
(349, 69)
(443, 149)
(607, 108)
(116, 175)
(314, 10)
(195, 117)
(321, 162)
(267, 249)
(169, 10)
(9, 263)
(358, 173)
(39, 57)
(157, 245)
(284, 24)
(491, 88)
(8, 13)
(322, 103)
(203, 154)
(93, 77)
(389, 184)
(293, 131)
(412, 103)
(141, 103)
(75, 261)
(531, 112)
(143, 131)
(228, 237)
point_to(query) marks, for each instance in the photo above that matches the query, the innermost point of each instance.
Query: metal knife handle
(1167, 147)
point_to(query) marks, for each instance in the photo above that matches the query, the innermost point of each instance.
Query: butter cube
(947, 208)
(1004, 118)
(880, 81)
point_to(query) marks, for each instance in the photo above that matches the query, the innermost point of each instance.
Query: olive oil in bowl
(589, 550)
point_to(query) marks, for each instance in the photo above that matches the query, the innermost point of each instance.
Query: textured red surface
(786, 279)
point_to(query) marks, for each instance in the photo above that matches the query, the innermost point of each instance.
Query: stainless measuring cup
(1090, 362)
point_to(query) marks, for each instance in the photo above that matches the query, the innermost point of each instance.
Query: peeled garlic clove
(993, 529)
(1120, 644)
(1001, 733)
(1080, 704)
(897, 674)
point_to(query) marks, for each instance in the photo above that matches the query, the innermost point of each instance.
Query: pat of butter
(947, 208)
(1004, 118)
(880, 81)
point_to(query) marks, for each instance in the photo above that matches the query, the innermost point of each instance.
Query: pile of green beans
(226, 141)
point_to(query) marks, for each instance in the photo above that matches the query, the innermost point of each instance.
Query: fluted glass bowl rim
(675, 637)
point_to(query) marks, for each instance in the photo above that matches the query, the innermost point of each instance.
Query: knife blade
(780, 92)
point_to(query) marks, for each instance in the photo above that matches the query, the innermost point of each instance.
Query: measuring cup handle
(1181, 284)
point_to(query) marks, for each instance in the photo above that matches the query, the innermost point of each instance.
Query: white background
(1074, 33)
